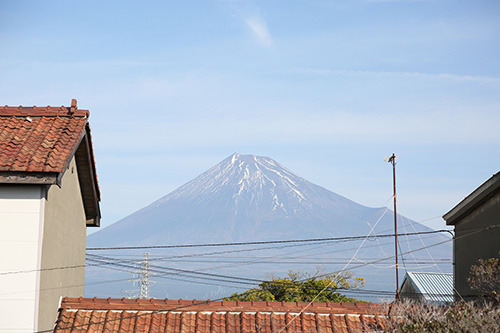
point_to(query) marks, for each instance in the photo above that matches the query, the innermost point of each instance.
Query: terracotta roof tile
(188, 322)
(174, 316)
(142, 322)
(233, 322)
(37, 143)
(323, 321)
(39, 139)
(112, 323)
(293, 322)
(173, 322)
(158, 322)
(339, 323)
(218, 322)
(82, 318)
(374, 323)
(247, 320)
(354, 323)
(67, 319)
(203, 322)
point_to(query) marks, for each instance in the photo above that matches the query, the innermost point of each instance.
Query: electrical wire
(113, 261)
(338, 272)
(439, 268)
(138, 314)
(180, 271)
(345, 238)
(185, 273)
(336, 275)
(422, 248)
(75, 266)
(233, 263)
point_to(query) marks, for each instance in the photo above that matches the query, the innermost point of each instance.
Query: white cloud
(440, 76)
(258, 26)
(401, 1)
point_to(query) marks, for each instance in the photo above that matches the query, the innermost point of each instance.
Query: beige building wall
(63, 245)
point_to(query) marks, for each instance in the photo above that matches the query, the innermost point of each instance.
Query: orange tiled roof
(39, 139)
(136, 315)
(37, 144)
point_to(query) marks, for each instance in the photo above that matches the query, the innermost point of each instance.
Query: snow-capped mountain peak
(242, 197)
(247, 180)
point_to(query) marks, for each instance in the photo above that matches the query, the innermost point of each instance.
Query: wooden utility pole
(392, 160)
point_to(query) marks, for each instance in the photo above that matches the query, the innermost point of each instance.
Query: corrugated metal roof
(434, 287)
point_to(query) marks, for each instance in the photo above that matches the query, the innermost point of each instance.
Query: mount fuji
(254, 198)
(242, 198)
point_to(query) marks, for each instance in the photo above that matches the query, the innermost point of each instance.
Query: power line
(183, 272)
(326, 261)
(336, 275)
(346, 238)
(419, 249)
(215, 252)
(112, 261)
(232, 251)
(222, 298)
(232, 264)
(395, 256)
(169, 276)
(162, 277)
(177, 256)
(211, 254)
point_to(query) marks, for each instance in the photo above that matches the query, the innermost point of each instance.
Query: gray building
(477, 232)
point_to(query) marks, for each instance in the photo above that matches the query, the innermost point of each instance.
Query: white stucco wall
(21, 219)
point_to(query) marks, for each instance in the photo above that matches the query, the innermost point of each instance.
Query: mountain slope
(252, 198)
(244, 197)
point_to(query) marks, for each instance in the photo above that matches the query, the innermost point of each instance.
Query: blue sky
(326, 88)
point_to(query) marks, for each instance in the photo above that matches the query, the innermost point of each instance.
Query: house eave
(88, 180)
(30, 178)
(480, 195)
(94, 222)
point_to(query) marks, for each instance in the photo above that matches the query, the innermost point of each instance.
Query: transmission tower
(141, 277)
(144, 278)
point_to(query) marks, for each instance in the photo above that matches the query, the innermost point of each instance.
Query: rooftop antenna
(392, 160)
